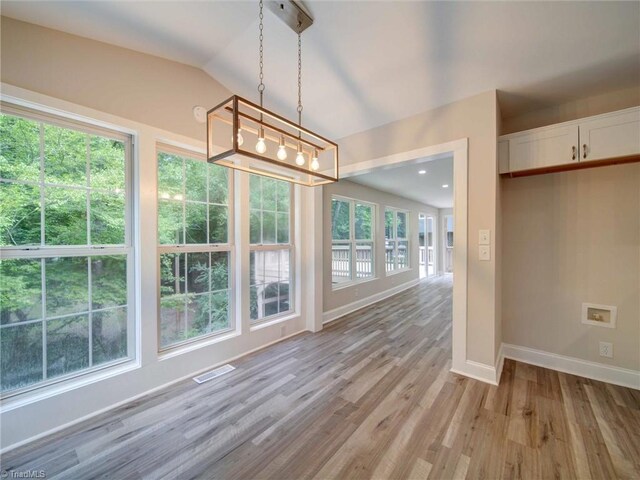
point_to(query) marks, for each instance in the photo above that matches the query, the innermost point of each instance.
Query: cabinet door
(544, 148)
(610, 136)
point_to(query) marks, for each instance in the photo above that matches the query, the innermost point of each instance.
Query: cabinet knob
(573, 152)
(584, 150)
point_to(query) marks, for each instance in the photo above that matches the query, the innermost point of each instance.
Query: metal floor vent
(205, 377)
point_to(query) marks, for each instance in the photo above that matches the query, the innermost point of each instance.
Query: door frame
(460, 151)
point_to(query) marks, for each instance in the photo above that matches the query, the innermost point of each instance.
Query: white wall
(570, 238)
(335, 298)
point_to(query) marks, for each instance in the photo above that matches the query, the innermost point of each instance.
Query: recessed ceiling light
(422, 172)
(445, 186)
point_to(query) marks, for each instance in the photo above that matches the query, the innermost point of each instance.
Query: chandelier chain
(261, 37)
(300, 73)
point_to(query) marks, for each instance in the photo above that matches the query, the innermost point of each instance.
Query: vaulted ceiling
(369, 63)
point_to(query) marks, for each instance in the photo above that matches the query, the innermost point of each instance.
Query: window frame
(269, 247)
(396, 240)
(352, 242)
(179, 248)
(42, 251)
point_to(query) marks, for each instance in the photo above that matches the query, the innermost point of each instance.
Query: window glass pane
(20, 355)
(402, 225)
(65, 216)
(67, 283)
(283, 192)
(198, 315)
(283, 228)
(107, 164)
(389, 231)
(390, 256)
(403, 254)
(364, 260)
(220, 319)
(198, 269)
(364, 222)
(269, 186)
(218, 184)
(340, 220)
(107, 218)
(20, 290)
(255, 227)
(19, 149)
(219, 271)
(108, 281)
(109, 335)
(67, 345)
(255, 192)
(218, 224)
(172, 274)
(65, 156)
(172, 319)
(19, 214)
(170, 176)
(429, 231)
(196, 222)
(170, 223)
(268, 227)
(269, 283)
(340, 263)
(195, 180)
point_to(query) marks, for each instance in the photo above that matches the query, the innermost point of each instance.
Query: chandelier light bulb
(261, 146)
(240, 139)
(282, 149)
(300, 156)
(315, 165)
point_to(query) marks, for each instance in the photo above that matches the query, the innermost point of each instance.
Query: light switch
(484, 237)
(484, 252)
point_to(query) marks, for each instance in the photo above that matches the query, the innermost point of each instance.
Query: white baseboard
(574, 366)
(481, 371)
(339, 312)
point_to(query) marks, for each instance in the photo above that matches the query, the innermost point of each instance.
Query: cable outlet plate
(606, 349)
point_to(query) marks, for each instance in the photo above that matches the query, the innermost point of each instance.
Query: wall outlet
(484, 252)
(606, 349)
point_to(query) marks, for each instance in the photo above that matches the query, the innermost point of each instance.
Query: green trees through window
(193, 232)
(64, 306)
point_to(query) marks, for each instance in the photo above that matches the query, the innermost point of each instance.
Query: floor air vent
(205, 377)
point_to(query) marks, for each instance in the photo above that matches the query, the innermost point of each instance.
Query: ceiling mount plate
(292, 13)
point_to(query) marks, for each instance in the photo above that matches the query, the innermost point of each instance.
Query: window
(271, 248)
(396, 243)
(449, 225)
(195, 248)
(352, 246)
(66, 246)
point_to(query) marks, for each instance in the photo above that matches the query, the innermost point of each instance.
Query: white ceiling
(370, 63)
(405, 181)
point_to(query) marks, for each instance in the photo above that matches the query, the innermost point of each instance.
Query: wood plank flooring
(371, 396)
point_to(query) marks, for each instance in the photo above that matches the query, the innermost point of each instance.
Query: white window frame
(88, 251)
(270, 247)
(395, 240)
(352, 242)
(184, 247)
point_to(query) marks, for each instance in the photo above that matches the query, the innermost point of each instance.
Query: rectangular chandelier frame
(250, 122)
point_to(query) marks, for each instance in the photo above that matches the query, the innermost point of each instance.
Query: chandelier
(246, 136)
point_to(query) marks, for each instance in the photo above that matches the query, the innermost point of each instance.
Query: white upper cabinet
(544, 148)
(601, 137)
(610, 136)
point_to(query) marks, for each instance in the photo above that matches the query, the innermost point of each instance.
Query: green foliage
(85, 179)
(340, 220)
(269, 202)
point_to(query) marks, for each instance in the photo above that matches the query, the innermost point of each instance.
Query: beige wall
(114, 80)
(473, 118)
(346, 295)
(584, 107)
(569, 238)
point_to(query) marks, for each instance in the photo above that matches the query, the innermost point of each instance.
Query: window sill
(355, 283)
(273, 321)
(196, 344)
(396, 272)
(38, 394)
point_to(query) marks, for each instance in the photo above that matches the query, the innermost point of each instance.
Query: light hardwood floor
(371, 396)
